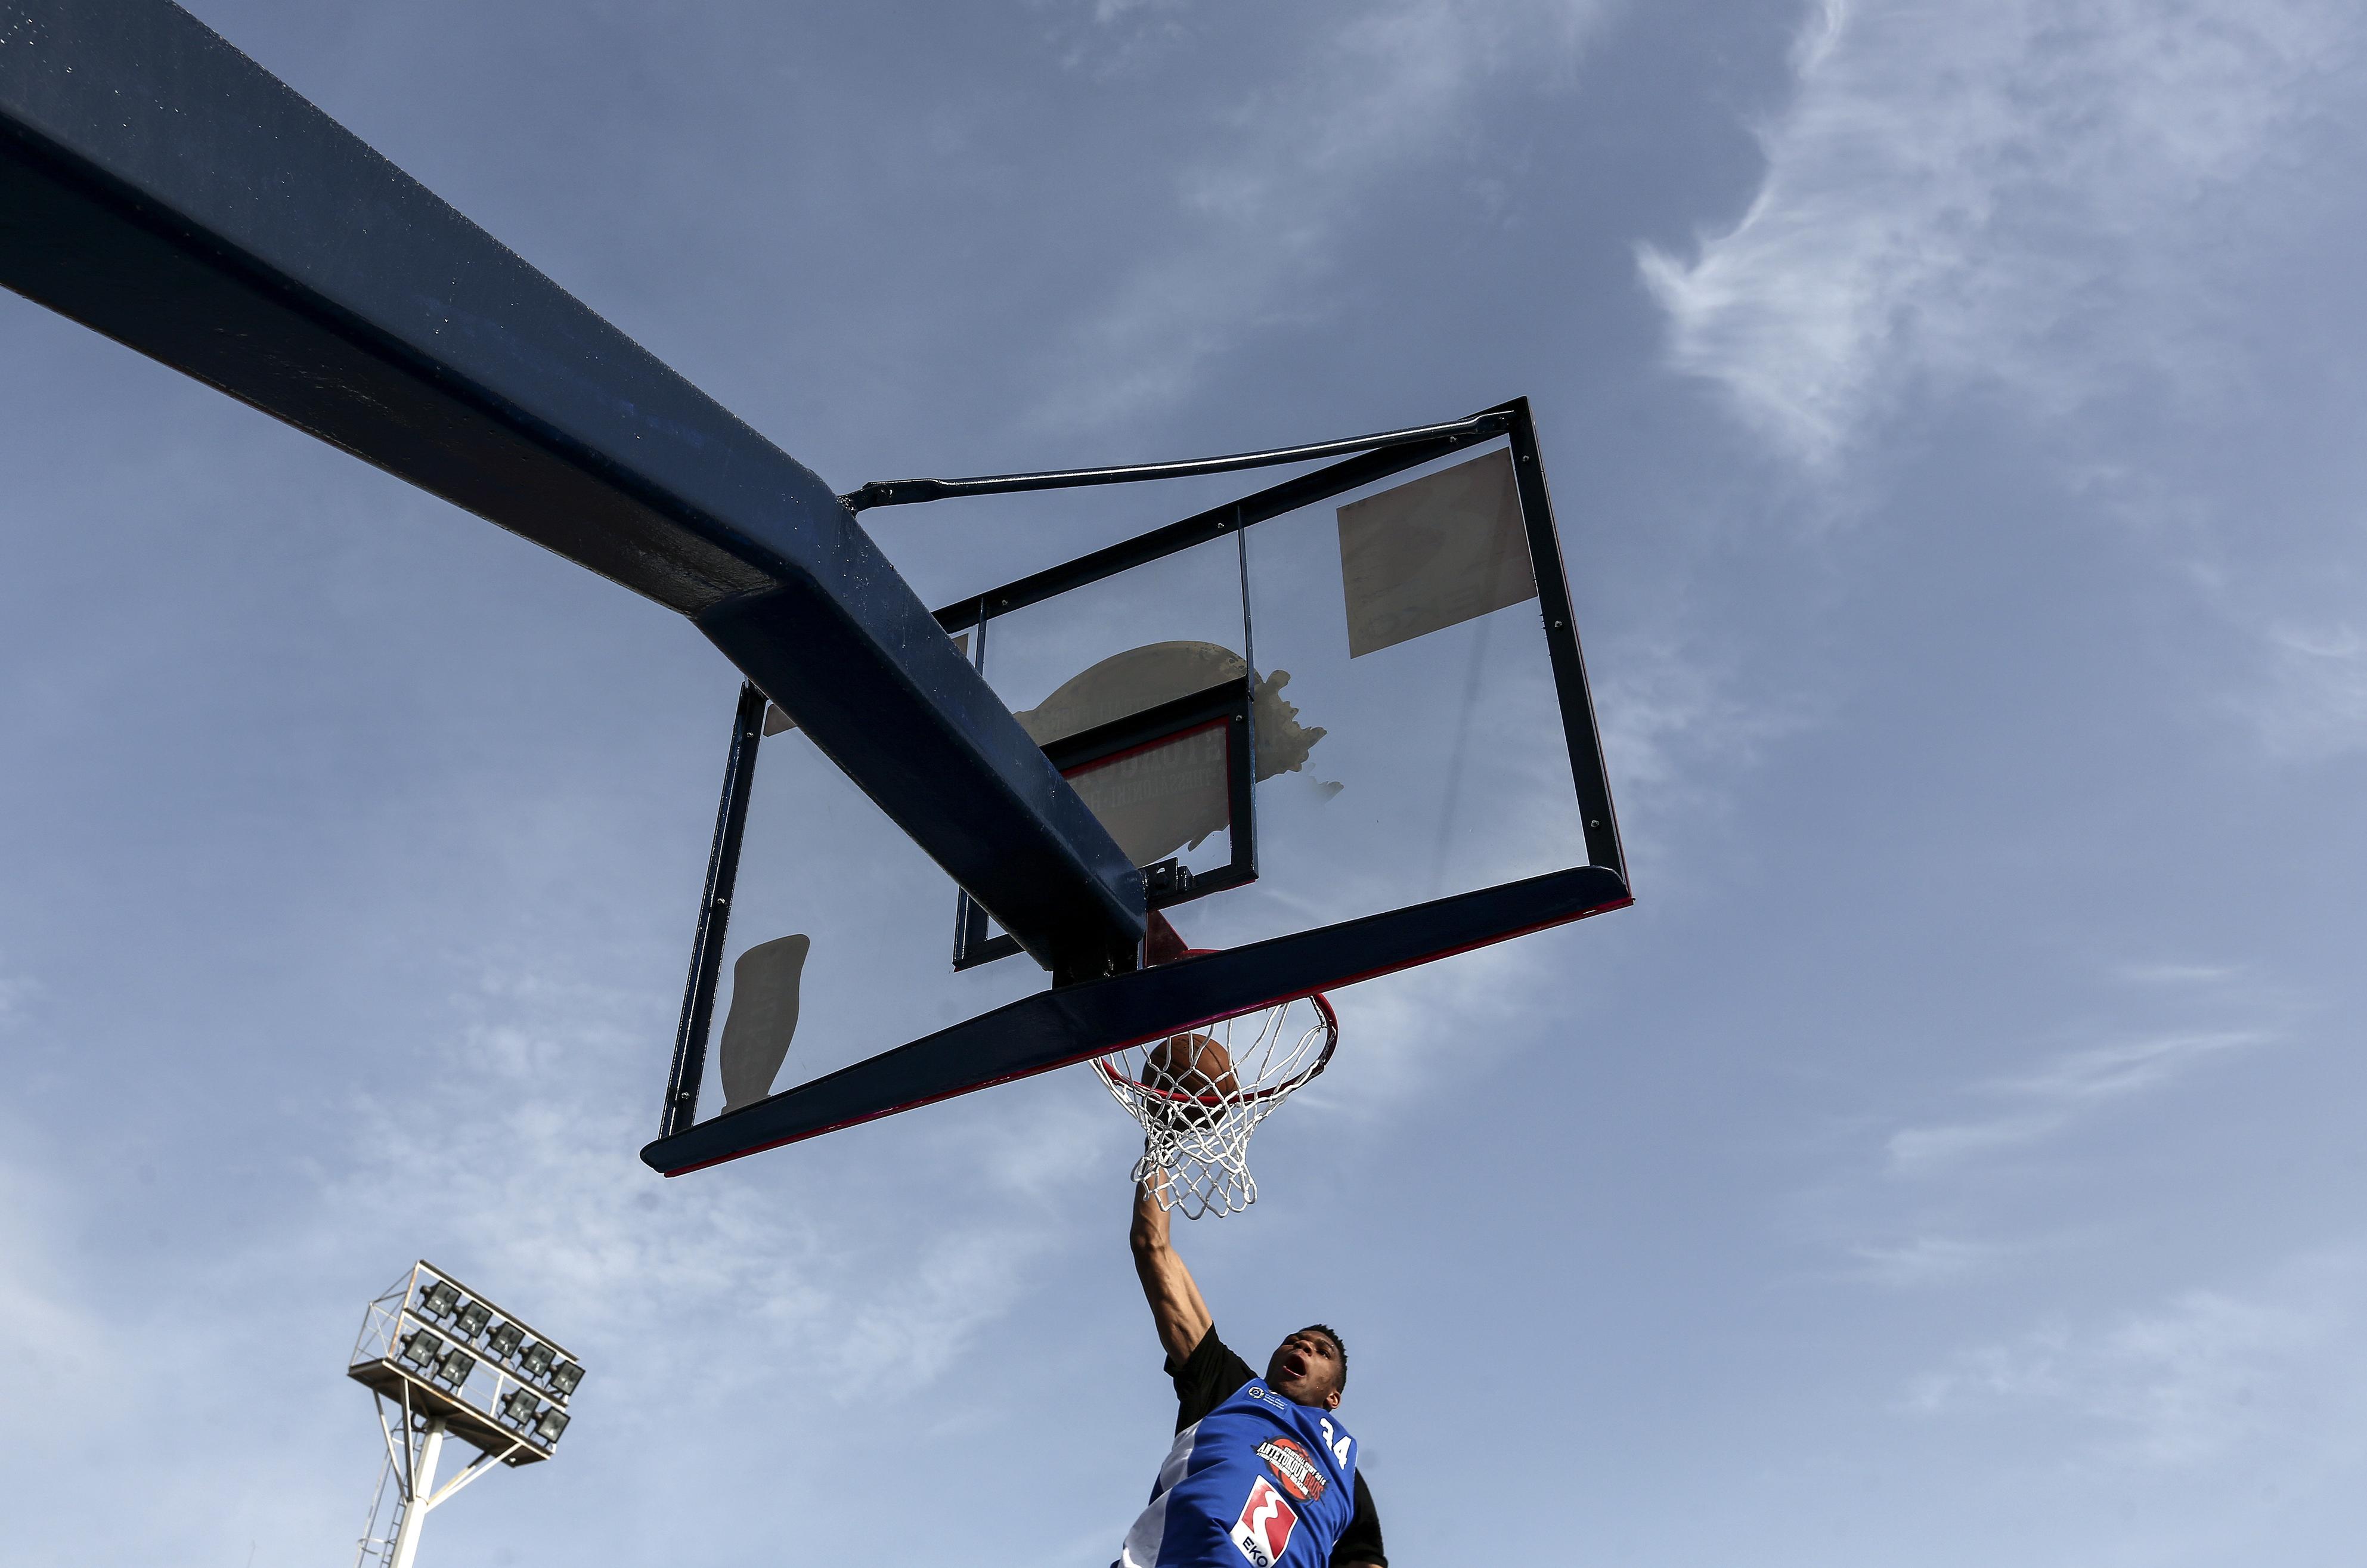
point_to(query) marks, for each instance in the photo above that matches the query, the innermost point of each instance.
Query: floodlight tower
(443, 1360)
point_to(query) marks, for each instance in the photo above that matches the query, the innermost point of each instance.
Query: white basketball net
(1196, 1124)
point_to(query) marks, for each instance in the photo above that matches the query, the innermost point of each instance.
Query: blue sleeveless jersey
(1257, 1483)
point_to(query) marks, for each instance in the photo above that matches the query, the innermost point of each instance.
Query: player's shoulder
(1211, 1375)
(1212, 1359)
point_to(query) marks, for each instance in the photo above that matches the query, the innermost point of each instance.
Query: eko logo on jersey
(1264, 1526)
(1294, 1467)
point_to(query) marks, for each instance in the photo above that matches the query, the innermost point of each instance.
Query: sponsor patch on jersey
(1263, 1530)
(1294, 1467)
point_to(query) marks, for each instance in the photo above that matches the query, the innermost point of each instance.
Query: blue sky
(1953, 1157)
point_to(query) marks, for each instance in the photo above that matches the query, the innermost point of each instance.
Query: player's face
(1306, 1370)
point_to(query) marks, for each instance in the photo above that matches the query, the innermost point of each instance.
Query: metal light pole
(406, 1536)
(444, 1361)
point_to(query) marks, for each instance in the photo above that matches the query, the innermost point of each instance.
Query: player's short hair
(1337, 1344)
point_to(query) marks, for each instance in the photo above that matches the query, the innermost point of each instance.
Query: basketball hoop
(1199, 1096)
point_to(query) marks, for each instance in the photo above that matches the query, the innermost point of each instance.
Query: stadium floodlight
(430, 1385)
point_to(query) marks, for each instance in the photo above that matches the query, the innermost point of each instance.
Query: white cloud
(2178, 973)
(2108, 1072)
(2037, 197)
(2315, 701)
(529, 1144)
(2192, 1379)
(1671, 719)
(2055, 1097)
(1110, 37)
(1107, 12)
(1925, 1261)
(62, 1359)
(17, 991)
(1384, 91)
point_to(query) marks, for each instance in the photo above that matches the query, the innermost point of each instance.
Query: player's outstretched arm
(1174, 1296)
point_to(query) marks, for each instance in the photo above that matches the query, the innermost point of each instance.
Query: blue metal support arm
(160, 187)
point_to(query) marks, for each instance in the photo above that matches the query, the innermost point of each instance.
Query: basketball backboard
(1342, 724)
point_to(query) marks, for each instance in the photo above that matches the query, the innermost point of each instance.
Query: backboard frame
(1078, 1021)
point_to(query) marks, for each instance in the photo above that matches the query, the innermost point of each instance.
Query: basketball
(1193, 1066)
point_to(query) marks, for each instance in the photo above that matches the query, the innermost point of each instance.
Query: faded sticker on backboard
(764, 1018)
(1157, 799)
(1445, 548)
(1174, 794)
(1142, 678)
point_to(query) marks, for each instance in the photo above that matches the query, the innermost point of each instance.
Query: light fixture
(447, 1367)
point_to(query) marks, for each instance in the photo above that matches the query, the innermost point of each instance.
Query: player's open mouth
(1293, 1366)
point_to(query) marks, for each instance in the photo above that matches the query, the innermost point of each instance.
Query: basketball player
(1262, 1473)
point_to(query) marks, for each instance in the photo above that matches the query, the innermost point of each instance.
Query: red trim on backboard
(1224, 723)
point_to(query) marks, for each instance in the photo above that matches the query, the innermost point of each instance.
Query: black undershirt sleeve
(1361, 1541)
(1210, 1375)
